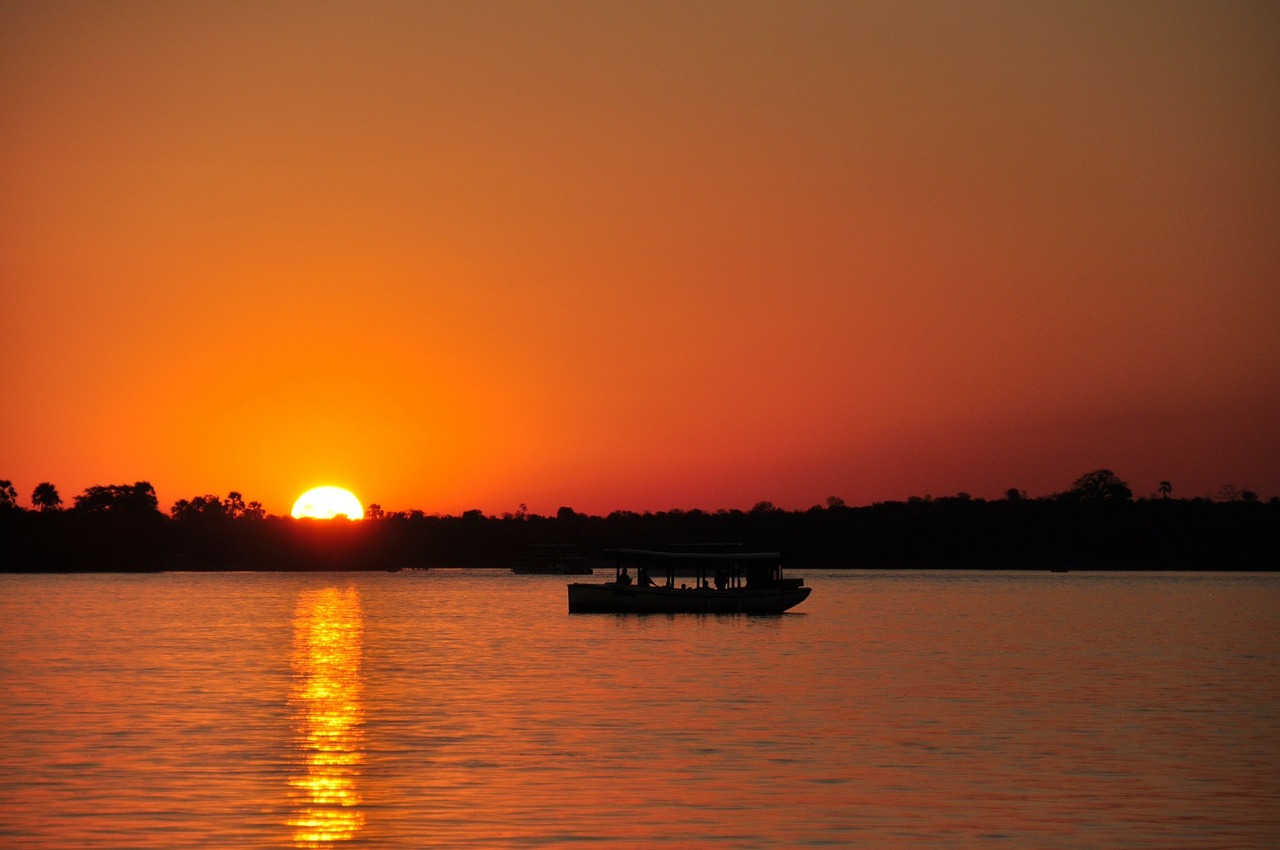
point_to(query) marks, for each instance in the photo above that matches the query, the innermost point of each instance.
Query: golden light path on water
(327, 644)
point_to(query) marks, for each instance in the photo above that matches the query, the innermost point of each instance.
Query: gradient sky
(639, 256)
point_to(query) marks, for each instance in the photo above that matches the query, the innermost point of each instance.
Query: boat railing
(724, 570)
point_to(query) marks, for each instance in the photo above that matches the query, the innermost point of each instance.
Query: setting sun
(327, 503)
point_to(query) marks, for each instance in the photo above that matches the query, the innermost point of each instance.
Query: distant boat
(553, 559)
(742, 583)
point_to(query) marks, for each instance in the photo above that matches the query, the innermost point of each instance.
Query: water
(468, 709)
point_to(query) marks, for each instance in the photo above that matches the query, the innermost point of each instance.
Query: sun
(327, 503)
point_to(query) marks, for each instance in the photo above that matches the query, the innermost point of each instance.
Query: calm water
(468, 709)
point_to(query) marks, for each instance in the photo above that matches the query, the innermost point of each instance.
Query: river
(467, 709)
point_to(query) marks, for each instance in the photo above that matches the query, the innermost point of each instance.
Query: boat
(553, 559)
(742, 583)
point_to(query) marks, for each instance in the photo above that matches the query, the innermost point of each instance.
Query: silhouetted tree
(136, 498)
(1100, 485)
(374, 511)
(1165, 489)
(1230, 493)
(8, 495)
(765, 507)
(45, 497)
(201, 506)
(254, 510)
(835, 502)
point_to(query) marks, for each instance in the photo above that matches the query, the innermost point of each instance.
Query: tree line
(1095, 524)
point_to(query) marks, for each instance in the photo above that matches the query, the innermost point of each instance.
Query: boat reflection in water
(327, 635)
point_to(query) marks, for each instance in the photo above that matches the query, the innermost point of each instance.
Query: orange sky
(638, 255)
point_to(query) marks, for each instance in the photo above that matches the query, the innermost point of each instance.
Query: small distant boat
(723, 583)
(553, 559)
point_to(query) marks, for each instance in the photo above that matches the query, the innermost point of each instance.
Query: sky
(639, 256)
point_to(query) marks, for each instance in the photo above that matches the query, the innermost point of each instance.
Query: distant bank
(956, 532)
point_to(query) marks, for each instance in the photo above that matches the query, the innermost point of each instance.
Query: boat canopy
(652, 556)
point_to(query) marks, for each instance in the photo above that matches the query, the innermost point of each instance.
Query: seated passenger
(624, 577)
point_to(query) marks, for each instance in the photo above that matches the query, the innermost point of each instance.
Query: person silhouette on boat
(624, 577)
(645, 579)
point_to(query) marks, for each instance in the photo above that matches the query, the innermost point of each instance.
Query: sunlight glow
(328, 503)
(326, 699)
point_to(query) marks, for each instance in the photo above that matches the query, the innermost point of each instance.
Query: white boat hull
(626, 598)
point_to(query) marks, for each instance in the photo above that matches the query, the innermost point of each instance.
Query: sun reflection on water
(327, 633)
